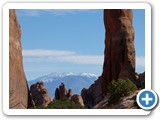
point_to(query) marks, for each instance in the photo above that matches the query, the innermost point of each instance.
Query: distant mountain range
(73, 81)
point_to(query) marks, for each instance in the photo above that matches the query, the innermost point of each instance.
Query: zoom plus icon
(147, 99)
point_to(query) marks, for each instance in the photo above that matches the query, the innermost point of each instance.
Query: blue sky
(69, 41)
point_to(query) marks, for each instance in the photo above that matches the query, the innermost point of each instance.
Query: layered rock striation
(18, 89)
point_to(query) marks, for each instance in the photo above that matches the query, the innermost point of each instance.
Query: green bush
(120, 88)
(64, 104)
(60, 104)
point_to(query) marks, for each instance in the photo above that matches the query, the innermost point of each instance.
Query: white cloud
(40, 52)
(84, 59)
(55, 12)
(40, 55)
(60, 56)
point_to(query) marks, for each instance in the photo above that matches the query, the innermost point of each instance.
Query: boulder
(39, 94)
(77, 99)
(127, 102)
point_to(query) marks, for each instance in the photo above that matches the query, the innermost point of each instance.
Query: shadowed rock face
(18, 89)
(140, 80)
(62, 92)
(92, 95)
(119, 54)
(57, 94)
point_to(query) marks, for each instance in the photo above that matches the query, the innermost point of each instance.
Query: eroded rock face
(140, 80)
(119, 54)
(69, 94)
(62, 92)
(77, 99)
(127, 102)
(39, 94)
(92, 95)
(18, 89)
(84, 95)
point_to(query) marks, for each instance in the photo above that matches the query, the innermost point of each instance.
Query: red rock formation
(57, 94)
(84, 95)
(119, 54)
(62, 91)
(18, 89)
(39, 94)
(92, 95)
(77, 99)
(140, 80)
(69, 94)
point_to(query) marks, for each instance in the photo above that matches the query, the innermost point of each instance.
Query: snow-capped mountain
(73, 81)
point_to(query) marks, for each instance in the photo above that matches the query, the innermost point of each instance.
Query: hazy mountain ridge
(73, 81)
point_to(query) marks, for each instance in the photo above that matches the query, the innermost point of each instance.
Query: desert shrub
(64, 104)
(60, 104)
(120, 88)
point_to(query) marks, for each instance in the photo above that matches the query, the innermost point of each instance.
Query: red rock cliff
(119, 54)
(18, 89)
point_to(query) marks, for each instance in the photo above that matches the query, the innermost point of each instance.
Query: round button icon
(147, 99)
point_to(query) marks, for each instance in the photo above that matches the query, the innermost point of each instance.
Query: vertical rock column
(18, 89)
(119, 54)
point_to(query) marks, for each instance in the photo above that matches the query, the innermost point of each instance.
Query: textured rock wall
(127, 102)
(92, 95)
(18, 89)
(119, 54)
(39, 94)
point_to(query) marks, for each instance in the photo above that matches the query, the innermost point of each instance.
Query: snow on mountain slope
(73, 81)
